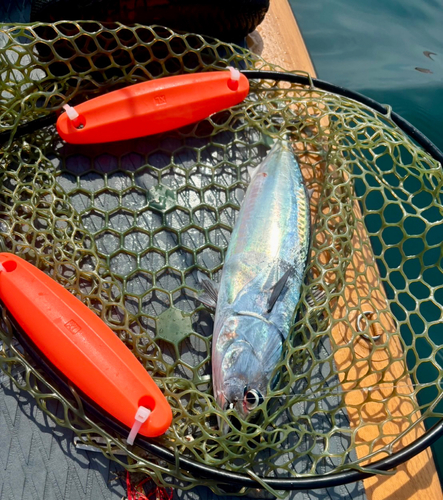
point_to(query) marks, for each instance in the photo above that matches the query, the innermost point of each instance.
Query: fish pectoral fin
(210, 296)
(208, 301)
(278, 288)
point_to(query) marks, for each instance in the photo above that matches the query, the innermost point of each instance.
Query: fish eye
(252, 399)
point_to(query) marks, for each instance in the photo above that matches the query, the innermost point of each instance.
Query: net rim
(289, 77)
(252, 480)
(244, 480)
(403, 124)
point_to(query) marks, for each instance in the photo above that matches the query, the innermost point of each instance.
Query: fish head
(245, 363)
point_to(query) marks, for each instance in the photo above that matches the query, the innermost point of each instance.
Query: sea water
(390, 51)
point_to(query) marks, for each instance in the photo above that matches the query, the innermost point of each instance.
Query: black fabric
(228, 20)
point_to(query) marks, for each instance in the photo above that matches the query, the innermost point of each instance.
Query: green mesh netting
(127, 226)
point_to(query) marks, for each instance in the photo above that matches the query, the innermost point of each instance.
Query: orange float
(152, 107)
(81, 346)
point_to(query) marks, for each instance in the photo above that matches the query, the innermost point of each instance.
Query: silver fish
(261, 280)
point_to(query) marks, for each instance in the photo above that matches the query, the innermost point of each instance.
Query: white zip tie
(140, 418)
(71, 112)
(235, 74)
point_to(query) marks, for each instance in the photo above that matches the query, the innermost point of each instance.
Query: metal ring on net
(361, 329)
(200, 469)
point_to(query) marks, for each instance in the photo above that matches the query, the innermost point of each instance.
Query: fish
(261, 281)
(428, 54)
(424, 70)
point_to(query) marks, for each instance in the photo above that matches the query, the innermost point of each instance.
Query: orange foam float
(83, 348)
(152, 107)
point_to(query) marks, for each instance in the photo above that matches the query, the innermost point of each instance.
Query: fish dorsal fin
(210, 297)
(278, 288)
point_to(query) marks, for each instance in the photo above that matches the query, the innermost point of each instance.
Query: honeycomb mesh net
(127, 226)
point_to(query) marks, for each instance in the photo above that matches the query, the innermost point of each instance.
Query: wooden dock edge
(279, 41)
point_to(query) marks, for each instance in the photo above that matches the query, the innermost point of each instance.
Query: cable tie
(73, 115)
(71, 112)
(140, 418)
(234, 82)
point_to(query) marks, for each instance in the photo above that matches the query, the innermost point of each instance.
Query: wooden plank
(278, 40)
(418, 476)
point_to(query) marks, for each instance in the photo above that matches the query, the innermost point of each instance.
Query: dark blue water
(391, 51)
(375, 47)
